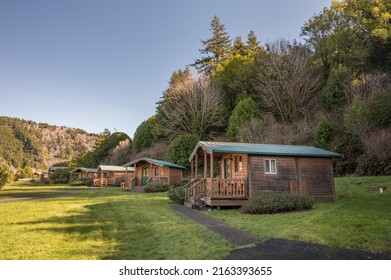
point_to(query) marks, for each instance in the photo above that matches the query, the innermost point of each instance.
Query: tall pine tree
(217, 48)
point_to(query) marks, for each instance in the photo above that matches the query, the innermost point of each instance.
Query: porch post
(211, 165)
(205, 165)
(135, 176)
(101, 177)
(196, 166)
(192, 169)
(126, 174)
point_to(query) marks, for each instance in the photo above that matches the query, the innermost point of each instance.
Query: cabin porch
(217, 179)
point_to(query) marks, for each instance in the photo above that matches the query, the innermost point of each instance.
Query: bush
(4, 175)
(273, 202)
(181, 148)
(154, 187)
(81, 182)
(177, 195)
(60, 176)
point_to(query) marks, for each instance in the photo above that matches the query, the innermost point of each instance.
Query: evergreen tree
(323, 134)
(217, 48)
(4, 175)
(246, 110)
(333, 94)
(239, 47)
(356, 117)
(102, 152)
(253, 45)
(181, 148)
(144, 135)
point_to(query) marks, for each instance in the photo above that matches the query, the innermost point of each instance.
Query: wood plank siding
(154, 170)
(225, 173)
(306, 176)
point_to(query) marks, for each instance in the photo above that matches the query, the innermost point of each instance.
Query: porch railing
(216, 188)
(195, 189)
(226, 188)
(158, 179)
(103, 182)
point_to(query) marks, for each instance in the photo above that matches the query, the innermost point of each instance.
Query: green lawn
(110, 223)
(107, 223)
(359, 219)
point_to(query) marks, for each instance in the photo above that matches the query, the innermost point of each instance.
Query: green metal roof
(263, 149)
(84, 169)
(113, 168)
(157, 162)
(54, 168)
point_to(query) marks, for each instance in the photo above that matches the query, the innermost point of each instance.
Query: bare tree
(288, 86)
(193, 105)
(276, 132)
(368, 84)
(121, 153)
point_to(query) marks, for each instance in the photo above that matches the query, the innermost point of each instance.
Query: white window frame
(271, 171)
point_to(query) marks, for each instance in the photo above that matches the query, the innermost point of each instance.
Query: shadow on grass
(43, 191)
(134, 230)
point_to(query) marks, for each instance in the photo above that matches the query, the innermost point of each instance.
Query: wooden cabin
(152, 170)
(44, 177)
(228, 174)
(85, 173)
(112, 175)
(50, 172)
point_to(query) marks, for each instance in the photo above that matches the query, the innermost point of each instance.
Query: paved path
(274, 249)
(235, 236)
(35, 197)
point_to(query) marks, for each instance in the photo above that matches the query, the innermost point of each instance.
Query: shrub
(245, 111)
(4, 175)
(154, 187)
(181, 148)
(177, 195)
(273, 202)
(60, 176)
(81, 182)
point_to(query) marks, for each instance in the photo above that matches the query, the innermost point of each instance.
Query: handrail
(195, 189)
(190, 183)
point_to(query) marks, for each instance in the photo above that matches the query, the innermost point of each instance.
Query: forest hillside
(330, 89)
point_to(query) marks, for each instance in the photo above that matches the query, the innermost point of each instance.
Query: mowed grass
(359, 219)
(110, 223)
(106, 223)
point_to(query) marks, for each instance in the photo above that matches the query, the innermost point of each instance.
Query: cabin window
(158, 171)
(270, 166)
(238, 164)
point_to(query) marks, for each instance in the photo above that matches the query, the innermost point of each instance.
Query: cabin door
(145, 176)
(304, 183)
(227, 168)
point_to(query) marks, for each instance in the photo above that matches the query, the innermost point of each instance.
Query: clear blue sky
(97, 64)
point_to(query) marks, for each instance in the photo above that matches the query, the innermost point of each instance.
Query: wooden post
(192, 169)
(205, 165)
(101, 176)
(196, 166)
(126, 174)
(211, 166)
(135, 175)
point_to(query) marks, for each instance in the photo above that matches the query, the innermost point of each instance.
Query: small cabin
(84, 173)
(228, 174)
(47, 176)
(153, 170)
(112, 175)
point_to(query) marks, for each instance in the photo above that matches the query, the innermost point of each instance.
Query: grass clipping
(275, 202)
